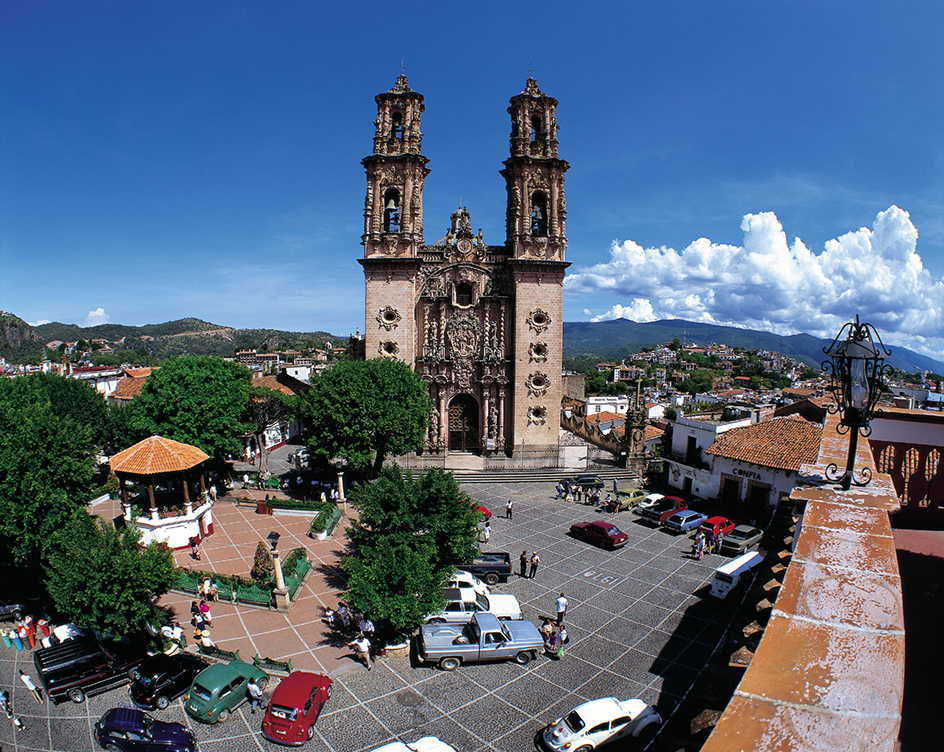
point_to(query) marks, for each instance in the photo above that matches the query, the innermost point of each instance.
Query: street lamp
(856, 368)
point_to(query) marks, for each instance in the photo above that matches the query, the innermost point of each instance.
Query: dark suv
(84, 666)
(130, 730)
(161, 678)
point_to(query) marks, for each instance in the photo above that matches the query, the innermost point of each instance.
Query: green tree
(48, 455)
(409, 531)
(267, 406)
(363, 410)
(100, 577)
(198, 400)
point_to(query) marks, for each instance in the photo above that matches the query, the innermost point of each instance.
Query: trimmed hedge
(326, 520)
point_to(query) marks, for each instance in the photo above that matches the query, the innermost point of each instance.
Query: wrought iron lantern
(857, 369)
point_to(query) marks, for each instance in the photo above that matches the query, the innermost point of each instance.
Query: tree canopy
(363, 410)
(267, 406)
(50, 429)
(198, 400)
(99, 576)
(409, 531)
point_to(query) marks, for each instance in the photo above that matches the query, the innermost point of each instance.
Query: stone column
(282, 601)
(341, 486)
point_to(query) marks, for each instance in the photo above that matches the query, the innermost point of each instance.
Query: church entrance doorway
(463, 424)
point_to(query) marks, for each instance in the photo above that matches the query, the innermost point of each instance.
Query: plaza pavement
(639, 622)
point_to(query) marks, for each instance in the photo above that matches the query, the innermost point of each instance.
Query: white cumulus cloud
(96, 317)
(772, 284)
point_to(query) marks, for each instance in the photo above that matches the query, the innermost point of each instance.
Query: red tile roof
(157, 455)
(131, 383)
(781, 443)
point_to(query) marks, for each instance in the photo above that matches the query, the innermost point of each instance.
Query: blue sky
(773, 165)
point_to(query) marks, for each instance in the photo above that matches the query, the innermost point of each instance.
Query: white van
(727, 576)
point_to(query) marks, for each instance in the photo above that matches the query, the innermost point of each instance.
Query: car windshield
(482, 601)
(738, 534)
(574, 722)
(202, 692)
(288, 714)
(612, 531)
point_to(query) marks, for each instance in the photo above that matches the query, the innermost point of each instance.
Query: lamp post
(856, 367)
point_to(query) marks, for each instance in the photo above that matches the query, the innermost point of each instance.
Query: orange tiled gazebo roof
(156, 456)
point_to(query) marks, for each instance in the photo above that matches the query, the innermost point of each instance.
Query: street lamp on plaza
(856, 367)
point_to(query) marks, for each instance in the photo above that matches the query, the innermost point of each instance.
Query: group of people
(201, 618)
(702, 544)
(570, 491)
(555, 637)
(346, 621)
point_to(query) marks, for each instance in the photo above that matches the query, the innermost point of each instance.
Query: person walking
(523, 563)
(508, 507)
(361, 647)
(561, 609)
(344, 615)
(255, 695)
(194, 549)
(205, 613)
(615, 487)
(367, 627)
(700, 547)
(535, 563)
(486, 532)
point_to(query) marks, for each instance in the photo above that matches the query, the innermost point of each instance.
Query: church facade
(482, 324)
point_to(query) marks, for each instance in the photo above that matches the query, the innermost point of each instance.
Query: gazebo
(173, 519)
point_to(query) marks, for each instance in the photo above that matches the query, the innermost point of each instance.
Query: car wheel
(436, 621)
(449, 664)
(585, 748)
(524, 658)
(162, 702)
(76, 695)
(311, 732)
(18, 615)
(224, 714)
(111, 748)
(263, 683)
(491, 578)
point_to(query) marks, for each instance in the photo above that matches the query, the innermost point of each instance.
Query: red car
(713, 525)
(600, 532)
(663, 509)
(295, 706)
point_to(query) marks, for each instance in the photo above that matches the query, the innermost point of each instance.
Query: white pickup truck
(464, 603)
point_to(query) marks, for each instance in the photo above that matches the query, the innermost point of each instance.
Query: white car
(648, 501)
(426, 744)
(597, 722)
(463, 603)
(462, 579)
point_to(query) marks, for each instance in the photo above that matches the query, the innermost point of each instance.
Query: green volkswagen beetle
(221, 688)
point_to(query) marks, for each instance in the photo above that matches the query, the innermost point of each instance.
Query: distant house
(129, 386)
(104, 379)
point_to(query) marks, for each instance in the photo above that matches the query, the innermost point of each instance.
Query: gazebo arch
(156, 459)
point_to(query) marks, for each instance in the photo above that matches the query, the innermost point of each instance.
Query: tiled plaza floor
(639, 626)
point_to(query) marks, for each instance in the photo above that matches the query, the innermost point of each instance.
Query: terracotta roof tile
(781, 443)
(157, 455)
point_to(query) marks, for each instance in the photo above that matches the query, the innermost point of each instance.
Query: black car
(162, 678)
(14, 608)
(130, 730)
(588, 481)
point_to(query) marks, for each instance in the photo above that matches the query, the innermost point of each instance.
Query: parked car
(588, 481)
(630, 497)
(295, 706)
(600, 533)
(426, 744)
(484, 638)
(663, 509)
(85, 666)
(222, 688)
(161, 678)
(491, 566)
(714, 525)
(131, 730)
(463, 603)
(648, 501)
(597, 722)
(463, 579)
(15, 608)
(682, 522)
(741, 540)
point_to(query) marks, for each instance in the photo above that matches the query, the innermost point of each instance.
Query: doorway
(463, 424)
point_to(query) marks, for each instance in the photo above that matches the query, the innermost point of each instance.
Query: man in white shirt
(561, 609)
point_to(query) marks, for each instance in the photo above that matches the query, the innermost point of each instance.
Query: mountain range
(606, 340)
(612, 340)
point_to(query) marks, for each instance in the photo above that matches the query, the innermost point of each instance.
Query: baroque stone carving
(537, 384)
(538, 320)
(463, 333)
(388, 348)
(388, 317)
(537, 352)
(537, 415)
